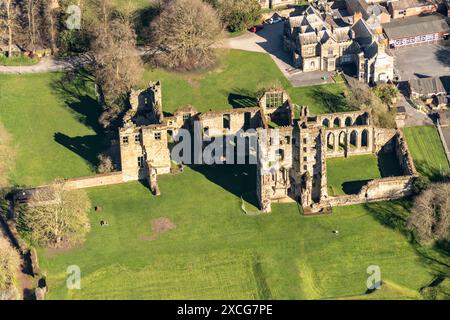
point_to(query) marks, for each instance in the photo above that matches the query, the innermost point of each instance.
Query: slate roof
(417, 25)
(427, 86)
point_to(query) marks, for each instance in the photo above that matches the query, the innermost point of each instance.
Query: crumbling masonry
(296, 147)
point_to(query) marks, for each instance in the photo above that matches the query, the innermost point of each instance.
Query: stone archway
(365, 138)
(342, 140)
(353, 139)
(331, 141)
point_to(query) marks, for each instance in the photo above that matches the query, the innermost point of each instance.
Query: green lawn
(216, 251)
(132, 4)
(54, 128)
(349, 175)
(234, 82)
(427, 150)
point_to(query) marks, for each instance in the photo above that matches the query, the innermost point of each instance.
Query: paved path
(269, 40)
(47, 64)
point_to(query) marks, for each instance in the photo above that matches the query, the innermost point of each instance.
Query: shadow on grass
(394, 214)
(354, 187)
(237, 100)
(76, 88)
(433, 173)
(87, 147)
(240, 180)
(331, 101)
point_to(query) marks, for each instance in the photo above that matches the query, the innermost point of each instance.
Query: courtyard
(349, 175)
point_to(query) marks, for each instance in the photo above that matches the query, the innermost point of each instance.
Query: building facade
(317, 40)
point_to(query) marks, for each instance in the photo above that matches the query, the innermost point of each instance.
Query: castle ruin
(296, 147)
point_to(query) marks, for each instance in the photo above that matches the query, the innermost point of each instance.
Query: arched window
(353, 138)
(326, 123)
(342, 139)
(348, 121)
(330, 141)
(365, 138)
(337, 123)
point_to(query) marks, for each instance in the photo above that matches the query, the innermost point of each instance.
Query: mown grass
(54, 129)
(427, 151)
(349, 175)
(216, 251)
(234, 82)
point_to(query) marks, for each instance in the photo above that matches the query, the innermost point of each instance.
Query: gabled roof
(417, 25)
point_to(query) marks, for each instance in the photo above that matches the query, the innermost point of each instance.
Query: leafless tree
(184, 34)
(430, 215)
(8, 22)
(57, 216)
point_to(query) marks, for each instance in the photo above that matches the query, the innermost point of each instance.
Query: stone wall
(376, 190)
(95, 181)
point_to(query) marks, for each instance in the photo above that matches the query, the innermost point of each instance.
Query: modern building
(409, 8)
(417, 30)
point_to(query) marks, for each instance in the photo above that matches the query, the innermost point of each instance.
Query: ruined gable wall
(130, 150)
(155, 145)
(214, 120)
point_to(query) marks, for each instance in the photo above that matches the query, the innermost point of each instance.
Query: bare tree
(9, 264)
(184, 34)
(57, 216)
(117, 64)
(8, 16)
(430, 215)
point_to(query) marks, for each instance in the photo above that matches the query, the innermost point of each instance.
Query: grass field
(234, 82)
(427, 150)
(55, 130)
(216, 251)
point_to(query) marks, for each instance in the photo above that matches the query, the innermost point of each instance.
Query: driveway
(422, 61)
(269, 40)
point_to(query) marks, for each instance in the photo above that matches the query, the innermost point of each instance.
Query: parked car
(274, 20)
(256, 28)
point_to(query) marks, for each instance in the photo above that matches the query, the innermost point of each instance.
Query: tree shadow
(354, 187)
(394, 215)
(332, 101)
(77, 89)
(239, 180)
(433, 173)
